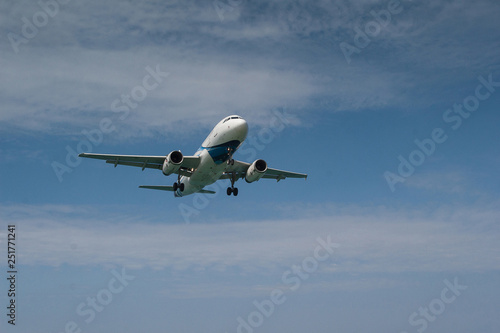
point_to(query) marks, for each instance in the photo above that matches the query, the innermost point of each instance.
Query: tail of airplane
(170, 188)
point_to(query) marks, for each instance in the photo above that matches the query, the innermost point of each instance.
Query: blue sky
(420, 254)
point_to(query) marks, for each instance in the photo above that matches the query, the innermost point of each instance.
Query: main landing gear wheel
(232, 190)
(230, 161)
(179, 186)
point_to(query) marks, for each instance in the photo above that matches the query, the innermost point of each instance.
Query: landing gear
(230, 152)
(232, 190)
(178, 184)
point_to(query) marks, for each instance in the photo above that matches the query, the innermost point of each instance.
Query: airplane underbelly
(207, 172)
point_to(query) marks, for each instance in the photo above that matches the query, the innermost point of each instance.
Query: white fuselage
(219, 146)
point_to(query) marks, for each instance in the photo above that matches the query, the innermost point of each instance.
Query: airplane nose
(242, 128)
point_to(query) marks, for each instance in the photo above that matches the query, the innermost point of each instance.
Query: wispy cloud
(258, 59)
(446, 182)
(371, 240)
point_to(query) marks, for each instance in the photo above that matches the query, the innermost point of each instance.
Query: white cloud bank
(460, 239)
(261, 57)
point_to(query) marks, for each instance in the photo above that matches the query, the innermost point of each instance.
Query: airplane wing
(281, 174)
(240, 169)
(144, 161)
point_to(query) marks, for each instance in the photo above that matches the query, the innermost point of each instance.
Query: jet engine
(172, 163)
(255, 171)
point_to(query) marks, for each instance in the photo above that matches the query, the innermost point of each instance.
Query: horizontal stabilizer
(163, 188)
(206, 191)
(170, 188)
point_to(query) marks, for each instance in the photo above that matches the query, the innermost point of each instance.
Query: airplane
(213, 161)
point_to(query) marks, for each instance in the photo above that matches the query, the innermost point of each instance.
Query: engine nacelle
(172, 162)
(255, 171)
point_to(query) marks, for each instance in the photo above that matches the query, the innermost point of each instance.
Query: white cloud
(78, 87)
(451, 182)
(371, 240)
(263, 56)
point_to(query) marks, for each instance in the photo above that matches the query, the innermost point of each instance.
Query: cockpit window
(233, 117)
